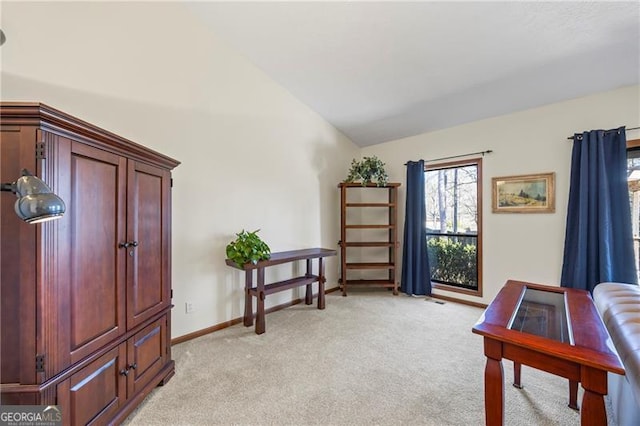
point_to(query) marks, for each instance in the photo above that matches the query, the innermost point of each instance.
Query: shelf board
(285, 285)
(370, 244)
(370, 205)
(370, 265)
(369, 226)
(369, 185)
(371, 282)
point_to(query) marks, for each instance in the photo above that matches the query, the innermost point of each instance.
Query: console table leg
(594, 382)
(308, 298)
(573, 394)
(493, 384)
(593, 411)
(248, 303)
(321, 281)
(260, 322)
(517, 368)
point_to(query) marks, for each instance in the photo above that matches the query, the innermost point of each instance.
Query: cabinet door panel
(97, 222)
(17, 269)
(147, 350)
(147, 211)
(96, 392)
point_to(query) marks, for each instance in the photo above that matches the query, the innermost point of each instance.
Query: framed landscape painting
(524, 194)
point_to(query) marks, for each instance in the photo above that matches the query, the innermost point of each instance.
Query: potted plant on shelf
(368, 170)
(248, 247)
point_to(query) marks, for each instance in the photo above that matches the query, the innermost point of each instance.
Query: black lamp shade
(36, 203)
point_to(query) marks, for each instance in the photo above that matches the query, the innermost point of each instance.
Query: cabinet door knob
(128, 244)
(124, 372)
(133, 366)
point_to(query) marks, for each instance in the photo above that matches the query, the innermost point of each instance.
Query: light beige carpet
(369, 358)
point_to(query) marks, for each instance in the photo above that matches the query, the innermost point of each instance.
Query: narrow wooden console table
(261, 290)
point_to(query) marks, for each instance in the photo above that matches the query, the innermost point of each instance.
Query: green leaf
(247, 247)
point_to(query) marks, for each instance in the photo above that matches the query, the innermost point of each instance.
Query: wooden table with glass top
(554, 329)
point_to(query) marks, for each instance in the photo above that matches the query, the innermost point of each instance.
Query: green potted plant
(247, 247)
(368, 170)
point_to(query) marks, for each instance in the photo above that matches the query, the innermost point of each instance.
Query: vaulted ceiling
(380, 71)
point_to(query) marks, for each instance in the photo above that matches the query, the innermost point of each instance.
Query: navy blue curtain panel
(598, 241)
(416, 277)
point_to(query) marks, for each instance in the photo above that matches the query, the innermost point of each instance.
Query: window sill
(454, 289)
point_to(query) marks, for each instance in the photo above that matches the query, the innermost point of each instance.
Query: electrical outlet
(189, 307)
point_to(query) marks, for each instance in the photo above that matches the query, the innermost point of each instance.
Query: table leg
(321, 281)
(308, 298)
(573, 394)
(260, 322)
(573, 385)
(493, 383)
(248, 299)
(517, 368)
(594, 382)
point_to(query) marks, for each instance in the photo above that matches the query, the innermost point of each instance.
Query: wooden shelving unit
(369, 228)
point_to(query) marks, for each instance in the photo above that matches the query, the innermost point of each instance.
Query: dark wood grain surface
(285, 257)
(587, 361)
(589, 333)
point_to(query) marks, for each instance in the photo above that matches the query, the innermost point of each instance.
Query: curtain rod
(457, 156)
(612, 130)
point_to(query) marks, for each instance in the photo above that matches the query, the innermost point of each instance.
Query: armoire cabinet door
(148, 219)
(146, 354)
(17, 268)
(97, 219)
(94, 394)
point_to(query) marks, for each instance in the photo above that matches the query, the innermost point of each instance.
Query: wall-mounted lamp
(36, 202)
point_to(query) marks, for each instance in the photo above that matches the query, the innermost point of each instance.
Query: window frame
(633, 145)
(454, 164)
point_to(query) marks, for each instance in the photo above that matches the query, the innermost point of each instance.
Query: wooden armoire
(86, 299)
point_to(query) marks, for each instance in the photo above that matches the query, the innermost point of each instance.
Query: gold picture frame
(524, 193)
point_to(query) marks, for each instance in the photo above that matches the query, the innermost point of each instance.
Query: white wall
(252, 155)
(518, 246)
